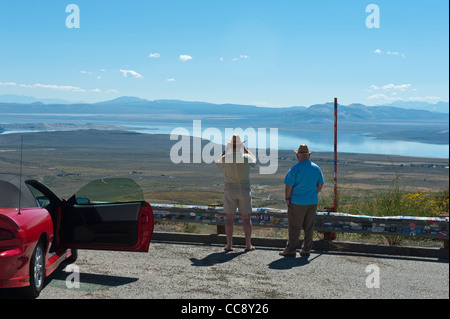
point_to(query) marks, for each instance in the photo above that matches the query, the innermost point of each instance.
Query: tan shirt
(237, 169)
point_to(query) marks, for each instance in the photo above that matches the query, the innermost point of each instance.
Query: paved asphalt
(205, 271)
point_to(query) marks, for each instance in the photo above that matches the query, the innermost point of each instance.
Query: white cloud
(424, 99)
(154, 55)
(185, 57)
(391, 86)
(68, 88)
(395, 53)
(384, 97)
(55, 87)
(8, 83)
(242, 56)
(131, 73)
(170, 80)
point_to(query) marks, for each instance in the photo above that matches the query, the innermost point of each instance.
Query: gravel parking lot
(205, 271)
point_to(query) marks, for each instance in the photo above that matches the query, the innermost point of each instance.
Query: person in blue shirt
(303, 183)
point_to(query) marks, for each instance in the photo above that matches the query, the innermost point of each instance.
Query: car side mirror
(83, 201)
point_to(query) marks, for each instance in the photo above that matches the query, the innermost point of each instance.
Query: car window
(42, 200)
(110, 190)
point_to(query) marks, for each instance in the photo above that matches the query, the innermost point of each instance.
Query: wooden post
(219, 228)
(445, 240)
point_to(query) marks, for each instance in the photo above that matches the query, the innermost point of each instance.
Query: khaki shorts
(237, 198)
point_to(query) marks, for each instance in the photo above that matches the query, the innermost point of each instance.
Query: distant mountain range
(389, 121)
(24, 99)
(440, 107)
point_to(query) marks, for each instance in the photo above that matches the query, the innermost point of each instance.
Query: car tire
(73, 257)
(37, 271)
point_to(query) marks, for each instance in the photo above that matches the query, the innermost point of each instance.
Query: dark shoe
(304, 254)
(286, 253)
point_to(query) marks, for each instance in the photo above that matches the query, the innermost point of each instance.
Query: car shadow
(64, 279)
(89, 279)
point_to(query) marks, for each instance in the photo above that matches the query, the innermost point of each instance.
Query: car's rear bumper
(15, 266)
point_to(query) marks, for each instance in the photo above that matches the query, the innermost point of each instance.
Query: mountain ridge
(439, 107)
(385, 120)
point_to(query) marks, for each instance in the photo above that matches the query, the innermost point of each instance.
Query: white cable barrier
(426, 227)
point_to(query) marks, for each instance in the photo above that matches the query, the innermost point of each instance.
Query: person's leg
(247, 222)
(229, 207)
(245, 210)
(229, 223)
(308, 227)
(295, 220)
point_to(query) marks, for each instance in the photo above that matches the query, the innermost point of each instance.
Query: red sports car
(38, 230)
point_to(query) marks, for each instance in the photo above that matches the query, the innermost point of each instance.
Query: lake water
(286, 140)
(324, 142)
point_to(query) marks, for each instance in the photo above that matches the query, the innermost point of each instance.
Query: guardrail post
(329, 235)
(445, 240)
(221, 229)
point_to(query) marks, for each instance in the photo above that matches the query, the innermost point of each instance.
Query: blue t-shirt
(304, 177)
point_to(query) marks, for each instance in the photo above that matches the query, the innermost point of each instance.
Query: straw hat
(236, 140)
(303, 149)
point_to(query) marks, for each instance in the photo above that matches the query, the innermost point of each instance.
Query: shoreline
(116, 128)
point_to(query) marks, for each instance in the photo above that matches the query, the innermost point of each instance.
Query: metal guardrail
(425, 227)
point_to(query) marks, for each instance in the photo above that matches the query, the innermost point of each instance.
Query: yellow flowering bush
(425, 203)
(396, 202)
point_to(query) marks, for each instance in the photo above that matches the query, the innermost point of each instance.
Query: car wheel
(37, 271)
(73, 257)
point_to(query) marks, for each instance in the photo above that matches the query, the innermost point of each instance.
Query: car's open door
(107, 214)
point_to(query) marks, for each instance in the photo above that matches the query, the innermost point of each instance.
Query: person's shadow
(289, 262)
(215, 258)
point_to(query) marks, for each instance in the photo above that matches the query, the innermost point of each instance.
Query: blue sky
(267, 53)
